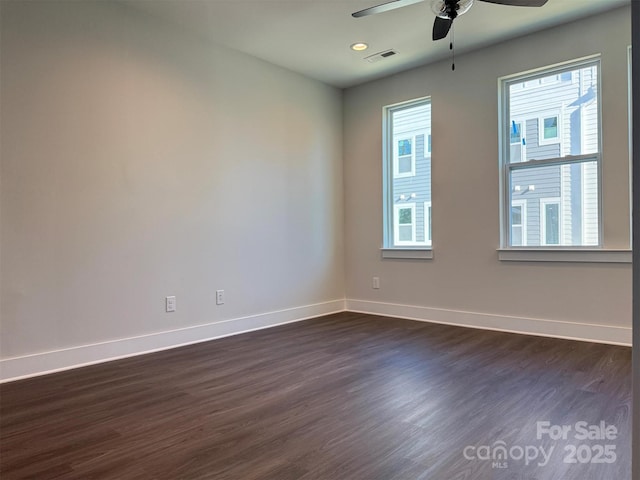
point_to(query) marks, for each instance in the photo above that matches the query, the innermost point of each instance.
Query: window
(404, 164)
(407, 175)
(548, 128)
(517, 141)
(405, 224)
(550, 157)
(550, 221)
(519, 223)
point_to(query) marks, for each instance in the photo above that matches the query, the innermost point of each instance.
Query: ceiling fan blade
(441, 27)
(518, 3)
(385, 7)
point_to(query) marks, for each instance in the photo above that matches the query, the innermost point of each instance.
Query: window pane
(562, 205)
(516, 133)
(551, 127)
(515, 153)
(404, 216)
(405, 233)
(404, 164)
(552, 223)
(516, 215)
(558, 113)
(516, 236)
(408, 171)
(404, 147)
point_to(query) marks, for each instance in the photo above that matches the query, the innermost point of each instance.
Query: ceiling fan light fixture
(441, 7)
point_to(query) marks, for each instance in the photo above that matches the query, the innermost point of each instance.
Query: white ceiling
(312, 37)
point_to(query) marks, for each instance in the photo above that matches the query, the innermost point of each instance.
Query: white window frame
(507, 168)
(427, 223)
(543, 221)
(391, 248)
(522, 203)
(396, 157)
(554, 140)
(396, 225)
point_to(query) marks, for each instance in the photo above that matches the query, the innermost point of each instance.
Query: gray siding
(415, 122)
(420, 185)
(574, 98)
(546, 184)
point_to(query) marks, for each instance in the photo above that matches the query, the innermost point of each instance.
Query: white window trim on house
(538, 82)
(574, 253)
(552, 140)
(543, 221)
(396, 156)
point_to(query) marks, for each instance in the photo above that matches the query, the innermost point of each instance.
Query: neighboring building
(412, 176)
(552, 117)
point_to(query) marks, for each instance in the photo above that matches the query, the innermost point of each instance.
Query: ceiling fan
(446, 10)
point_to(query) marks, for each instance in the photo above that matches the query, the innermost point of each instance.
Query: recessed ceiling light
(358, 47)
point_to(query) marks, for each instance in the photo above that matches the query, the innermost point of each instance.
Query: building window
(550, 221)
(404, 162)
(517, 142)
(549, 129)
(519, 223)
(407, 174)
(550, 157)
(405, 224)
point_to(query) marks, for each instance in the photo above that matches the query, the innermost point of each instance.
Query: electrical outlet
(171, 304)
(375, 283)
(219, 297)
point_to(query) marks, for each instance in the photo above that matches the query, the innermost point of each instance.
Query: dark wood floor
(347, 396)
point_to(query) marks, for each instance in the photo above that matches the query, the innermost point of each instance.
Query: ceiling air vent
(376, 57)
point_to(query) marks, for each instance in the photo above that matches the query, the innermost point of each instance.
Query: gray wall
(465, 274)
(139, 162)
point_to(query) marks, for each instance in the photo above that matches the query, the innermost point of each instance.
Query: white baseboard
(17, 368)
(49, 362)
(530, 326)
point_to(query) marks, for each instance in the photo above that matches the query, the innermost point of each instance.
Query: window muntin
(407, 174)
(551, 149)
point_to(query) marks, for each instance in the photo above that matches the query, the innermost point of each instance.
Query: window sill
(564, 255)
(411, 253)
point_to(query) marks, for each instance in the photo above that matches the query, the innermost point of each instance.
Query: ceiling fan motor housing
(450, 9)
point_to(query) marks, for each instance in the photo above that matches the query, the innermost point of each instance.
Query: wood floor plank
(347, 396)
